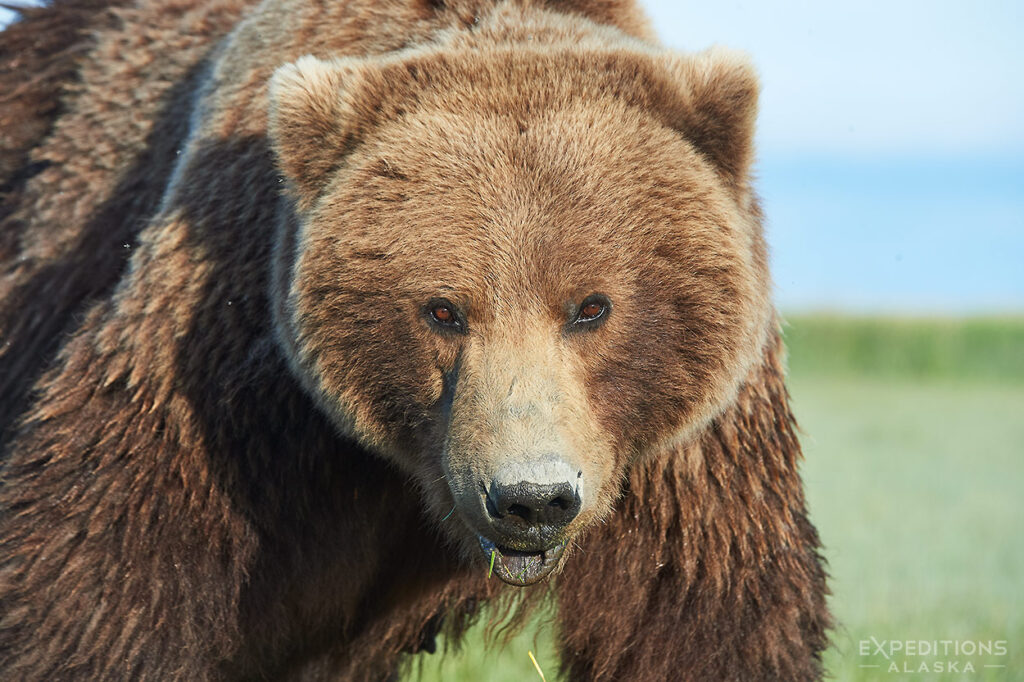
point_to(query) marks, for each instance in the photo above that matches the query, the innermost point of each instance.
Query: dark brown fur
(174, 504)
(38, 62)
(39, 59)
(728, 581)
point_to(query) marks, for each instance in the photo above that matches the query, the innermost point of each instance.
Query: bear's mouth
(520, 568)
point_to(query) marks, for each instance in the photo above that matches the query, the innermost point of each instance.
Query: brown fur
(38, 61)
(243, 459)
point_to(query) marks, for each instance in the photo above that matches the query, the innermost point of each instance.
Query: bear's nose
(532, 512)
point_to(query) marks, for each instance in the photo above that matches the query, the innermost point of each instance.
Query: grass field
(914, 445)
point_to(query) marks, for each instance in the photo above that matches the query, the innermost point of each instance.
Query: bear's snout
(533, 508)
(530, 504)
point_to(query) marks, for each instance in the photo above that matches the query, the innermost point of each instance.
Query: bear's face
(513, 273)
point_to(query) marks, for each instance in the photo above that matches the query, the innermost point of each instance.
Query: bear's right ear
(314, 120)
(714, 106)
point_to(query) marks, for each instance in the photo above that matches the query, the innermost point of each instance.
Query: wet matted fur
(233, 443)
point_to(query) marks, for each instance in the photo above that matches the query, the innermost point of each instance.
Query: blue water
(909, 235)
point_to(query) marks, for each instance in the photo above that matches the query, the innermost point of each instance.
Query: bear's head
(513, 271)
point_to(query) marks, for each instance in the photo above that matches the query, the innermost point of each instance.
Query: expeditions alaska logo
(908, 656)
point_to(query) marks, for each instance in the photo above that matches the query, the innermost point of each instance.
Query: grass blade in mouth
(517, 567)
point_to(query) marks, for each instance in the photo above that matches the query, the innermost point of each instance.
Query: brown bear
(325, 323)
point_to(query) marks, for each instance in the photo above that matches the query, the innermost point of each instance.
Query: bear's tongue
(520, 568)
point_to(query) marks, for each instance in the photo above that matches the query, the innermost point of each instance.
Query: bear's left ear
(714, 106)
(315, 120)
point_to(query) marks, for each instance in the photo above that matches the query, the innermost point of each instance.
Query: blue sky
(891, 144)
(891, 140)
(871, 79)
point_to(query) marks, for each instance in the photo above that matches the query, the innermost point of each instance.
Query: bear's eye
(594, 307)
(444, 315)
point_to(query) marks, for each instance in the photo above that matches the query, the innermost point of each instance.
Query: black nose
(524, 506)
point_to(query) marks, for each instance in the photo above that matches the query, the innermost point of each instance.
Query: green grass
(980, 349)
(480, 661)
(918, 492)
(914, 469)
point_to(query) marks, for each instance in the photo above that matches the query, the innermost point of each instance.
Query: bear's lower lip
(520, 568)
